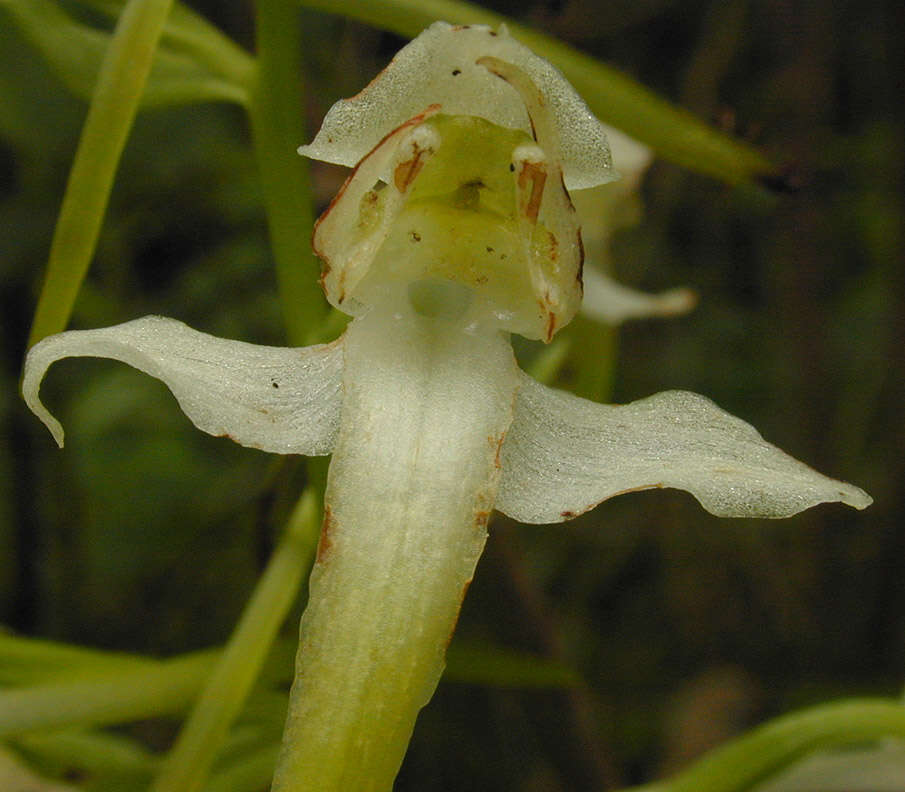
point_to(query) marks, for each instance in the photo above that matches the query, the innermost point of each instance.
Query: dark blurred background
(148, 536)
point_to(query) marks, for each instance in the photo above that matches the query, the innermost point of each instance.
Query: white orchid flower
(454, 229)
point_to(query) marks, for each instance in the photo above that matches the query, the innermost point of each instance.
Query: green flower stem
(277, 110)
(188, 763)
(593, 358)
(776, 745)
(615, 98)
(116, 97)
(156, 688)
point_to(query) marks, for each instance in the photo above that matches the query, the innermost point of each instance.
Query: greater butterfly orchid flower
(454, 229)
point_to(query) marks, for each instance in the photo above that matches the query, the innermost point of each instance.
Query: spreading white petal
(563, 455)
(439, 66)
(277, 399)
(608, 301)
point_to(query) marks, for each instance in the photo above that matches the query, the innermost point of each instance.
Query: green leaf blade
(120, 85)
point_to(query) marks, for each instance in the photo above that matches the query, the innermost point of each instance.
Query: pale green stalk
(188, 763)
(119, 88)
(674, 133)
(277, 120)
(114, 697)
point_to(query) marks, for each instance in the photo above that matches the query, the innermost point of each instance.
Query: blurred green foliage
(146, 536)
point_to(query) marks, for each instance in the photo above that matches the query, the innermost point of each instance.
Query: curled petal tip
(52, 424)
(679, 301)
(855, 497)
(36, 365)
(55, 428)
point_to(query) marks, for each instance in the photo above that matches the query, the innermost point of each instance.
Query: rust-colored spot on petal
(531, 178)
(325, 542)
(406, 172)
(414, 121)
(496, 443)
(554, 249)
(579, 270)
(551, 326)
(568, 515)
(548, 309)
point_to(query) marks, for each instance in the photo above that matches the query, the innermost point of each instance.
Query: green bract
(465, 147)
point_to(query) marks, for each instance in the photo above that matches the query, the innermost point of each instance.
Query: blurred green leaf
(120, 85)
(194, 63)
(26, 661)
(674, 133)
(749, 760)
(189, 761)
(96, 753)
(15, 777)
(117, 696)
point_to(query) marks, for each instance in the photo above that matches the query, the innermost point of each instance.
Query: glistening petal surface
(282, 400)
(439, 66)
(563, 455)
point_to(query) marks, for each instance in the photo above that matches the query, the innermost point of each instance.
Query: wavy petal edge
(564, 455)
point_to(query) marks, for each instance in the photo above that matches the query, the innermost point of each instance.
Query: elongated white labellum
(427, 401)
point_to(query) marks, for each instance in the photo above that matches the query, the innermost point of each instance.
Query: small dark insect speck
(414, 236)
(456, 72)
(489, 249)
(511, 168)
(274, 385)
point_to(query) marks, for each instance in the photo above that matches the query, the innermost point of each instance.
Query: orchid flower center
(460, 222)
(462, 201)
